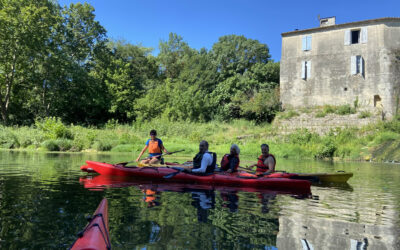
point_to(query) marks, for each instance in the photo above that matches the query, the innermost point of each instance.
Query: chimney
(327, 21)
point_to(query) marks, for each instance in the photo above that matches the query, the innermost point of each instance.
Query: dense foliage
(57, 61)
(380, 141)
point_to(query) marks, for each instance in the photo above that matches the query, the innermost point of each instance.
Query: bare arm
(164, 149)
(270, 162)
(141, 153)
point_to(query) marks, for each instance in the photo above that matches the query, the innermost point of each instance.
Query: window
(357, 65)
(306, 45)
(305, 70)
(356, 36)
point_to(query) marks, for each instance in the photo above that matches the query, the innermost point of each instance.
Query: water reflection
(40, 195)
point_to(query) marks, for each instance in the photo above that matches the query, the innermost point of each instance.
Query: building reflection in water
(338, 220)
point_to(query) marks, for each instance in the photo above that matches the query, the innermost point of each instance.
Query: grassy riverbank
(380, 141)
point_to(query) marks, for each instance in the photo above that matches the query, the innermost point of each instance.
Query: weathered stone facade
(340, 64)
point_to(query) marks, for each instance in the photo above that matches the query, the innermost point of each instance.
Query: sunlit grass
(348, 143)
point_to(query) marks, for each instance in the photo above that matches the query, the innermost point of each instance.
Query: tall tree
(173, 55)
(131, 71)
(25, 27)
(236, 54)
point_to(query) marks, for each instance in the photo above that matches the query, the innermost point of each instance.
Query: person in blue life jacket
(156, 147)
(204, 161)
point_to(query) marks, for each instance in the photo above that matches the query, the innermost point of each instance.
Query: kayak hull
(338, 177)
(227, 179)
(96, 233)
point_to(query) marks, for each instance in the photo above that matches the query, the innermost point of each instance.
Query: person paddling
(204, 161)
(266, 161)
(155, 146)
(230, 162)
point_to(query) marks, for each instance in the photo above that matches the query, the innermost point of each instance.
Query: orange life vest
(261, 167)
(225, 162)
(154, 147)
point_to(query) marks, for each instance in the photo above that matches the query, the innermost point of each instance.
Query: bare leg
(154, 161)
(145, 161)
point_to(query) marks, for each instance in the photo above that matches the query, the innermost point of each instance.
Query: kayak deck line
(96, 233)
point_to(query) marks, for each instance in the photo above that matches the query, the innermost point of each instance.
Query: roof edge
(378, 20)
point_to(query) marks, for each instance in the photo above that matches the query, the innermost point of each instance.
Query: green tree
(173, 55)
(25, 29)
(236, 54)
(132, 69)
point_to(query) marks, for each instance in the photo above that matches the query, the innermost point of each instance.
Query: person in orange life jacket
(266, 161)
(155, 147)
(230, 162)
(204, 161)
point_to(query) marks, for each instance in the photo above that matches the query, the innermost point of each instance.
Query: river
(44, 202)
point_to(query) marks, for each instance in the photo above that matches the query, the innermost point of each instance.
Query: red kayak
(95, 235)
(101, 182)
(274, 181)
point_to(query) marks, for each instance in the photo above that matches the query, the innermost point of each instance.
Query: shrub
(289, 114)
(393, 125)
(111, 124)
(53, 128)
(301, 136)
(328, 109)
(8, 139)
(364, 114)
(320, 114)
(386, 136)
(102, 145)
(345, 110)
(64, 144)
(51, 145)
(327, 150)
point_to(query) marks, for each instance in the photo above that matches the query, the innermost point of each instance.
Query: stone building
(338, 64)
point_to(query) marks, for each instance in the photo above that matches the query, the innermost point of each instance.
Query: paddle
(169, 153)
(169, 176)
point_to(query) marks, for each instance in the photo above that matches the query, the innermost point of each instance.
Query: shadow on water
(339, 186)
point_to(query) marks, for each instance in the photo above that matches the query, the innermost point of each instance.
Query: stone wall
(322, 125)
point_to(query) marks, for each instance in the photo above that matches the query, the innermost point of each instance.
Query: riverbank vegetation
(376, 142)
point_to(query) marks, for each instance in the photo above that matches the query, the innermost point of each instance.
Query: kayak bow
(95, 235)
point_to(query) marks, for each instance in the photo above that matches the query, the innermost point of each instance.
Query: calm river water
(44, 202)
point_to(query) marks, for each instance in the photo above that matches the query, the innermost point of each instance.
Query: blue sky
(201, 23)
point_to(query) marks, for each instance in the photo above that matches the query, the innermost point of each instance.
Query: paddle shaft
(170, 153)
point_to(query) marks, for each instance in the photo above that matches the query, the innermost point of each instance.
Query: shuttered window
(357, 65)
(364, 35)
(347, 38)
(356, 36)
(306, 43)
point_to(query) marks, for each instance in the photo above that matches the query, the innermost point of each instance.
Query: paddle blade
(168, 176)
